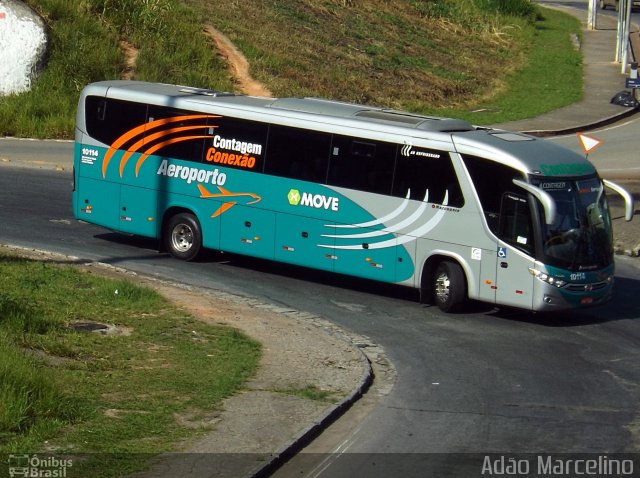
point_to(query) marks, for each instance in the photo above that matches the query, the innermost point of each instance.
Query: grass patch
(84, 38)
(551, 78)
(310, 392)
(110, 399)
(449, 57)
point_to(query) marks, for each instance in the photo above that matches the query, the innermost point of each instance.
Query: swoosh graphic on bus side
(147, 139)
(382, 220)
(138, 130)
(410, 236)
(402, 239)
(395, 228)
(226, 194)
(161, 145)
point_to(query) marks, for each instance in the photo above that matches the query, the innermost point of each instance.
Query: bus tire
(449, 286)
(183, 236)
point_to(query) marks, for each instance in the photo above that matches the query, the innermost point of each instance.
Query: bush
(467, 9)
(516, 8)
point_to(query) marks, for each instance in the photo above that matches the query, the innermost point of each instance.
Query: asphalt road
(618, 157)
(583, 5)
(484, 381)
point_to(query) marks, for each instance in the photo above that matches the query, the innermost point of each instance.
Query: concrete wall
(22, 46)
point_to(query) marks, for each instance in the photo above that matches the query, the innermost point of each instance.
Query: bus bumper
(549, 298)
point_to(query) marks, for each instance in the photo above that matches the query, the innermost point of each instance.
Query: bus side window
(108, 119)
(491, 181)
(298, 154)
(362, 164)
(236, 143)
(420, 170)
(171, 136)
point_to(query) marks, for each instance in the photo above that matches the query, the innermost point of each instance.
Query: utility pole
(626, 31)
(624, 28)
(623, 32)
(591, 15)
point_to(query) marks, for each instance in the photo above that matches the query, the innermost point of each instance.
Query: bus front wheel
(449, 286)
(183, 236)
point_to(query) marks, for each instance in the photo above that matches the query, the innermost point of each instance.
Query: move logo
(294, 197)
(316, 201)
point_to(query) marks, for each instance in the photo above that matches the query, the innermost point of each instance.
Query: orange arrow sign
(588, 143)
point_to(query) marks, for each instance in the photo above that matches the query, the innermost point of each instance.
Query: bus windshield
(581, 236)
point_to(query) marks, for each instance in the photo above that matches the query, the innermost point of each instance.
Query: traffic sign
(633, 83)
(588, 143)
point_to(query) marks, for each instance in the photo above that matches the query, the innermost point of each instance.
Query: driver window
(515, 222)
(492, 181)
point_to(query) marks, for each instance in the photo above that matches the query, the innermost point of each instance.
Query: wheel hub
(182, 237)
(442, 287)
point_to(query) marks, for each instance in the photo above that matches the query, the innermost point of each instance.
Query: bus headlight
(547, 278)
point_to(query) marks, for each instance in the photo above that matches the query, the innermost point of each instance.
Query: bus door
(514, 252)
(138, 211)
(487, 286)
(248, 230)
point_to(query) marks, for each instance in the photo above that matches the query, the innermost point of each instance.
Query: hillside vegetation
(508, 58)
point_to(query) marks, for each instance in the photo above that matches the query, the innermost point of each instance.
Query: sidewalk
(602, 81)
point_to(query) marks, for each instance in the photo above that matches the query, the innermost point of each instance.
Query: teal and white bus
(456, 211)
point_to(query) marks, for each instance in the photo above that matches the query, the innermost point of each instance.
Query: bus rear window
(108, 119)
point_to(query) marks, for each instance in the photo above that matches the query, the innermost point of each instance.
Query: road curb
(587, 127)
(311, 432)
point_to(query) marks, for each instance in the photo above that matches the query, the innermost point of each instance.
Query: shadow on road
(623, 306)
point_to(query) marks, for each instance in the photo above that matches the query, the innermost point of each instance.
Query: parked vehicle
(616, 4)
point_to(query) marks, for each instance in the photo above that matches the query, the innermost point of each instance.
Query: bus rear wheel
(183, 236)
(449, 286)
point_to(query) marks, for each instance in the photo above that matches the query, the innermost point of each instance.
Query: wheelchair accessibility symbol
(502, 252)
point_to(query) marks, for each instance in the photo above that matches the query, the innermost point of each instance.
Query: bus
(455, 211)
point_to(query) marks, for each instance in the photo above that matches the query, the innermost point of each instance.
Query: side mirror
(628, 198)
(544, 197)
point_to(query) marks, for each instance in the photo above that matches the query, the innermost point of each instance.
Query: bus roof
(526, 153)
(151, 92)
